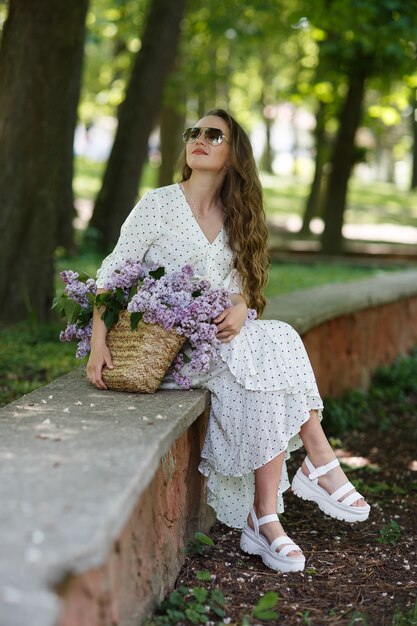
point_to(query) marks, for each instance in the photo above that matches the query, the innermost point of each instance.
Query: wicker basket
(140, 357)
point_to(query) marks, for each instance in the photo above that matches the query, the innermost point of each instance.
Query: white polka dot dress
(262, 384)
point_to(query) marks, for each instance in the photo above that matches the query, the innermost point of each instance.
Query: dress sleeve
(138, 232)
(233, 282)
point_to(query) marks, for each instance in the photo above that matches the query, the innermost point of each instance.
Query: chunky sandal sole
(306, 490)
(251, 545)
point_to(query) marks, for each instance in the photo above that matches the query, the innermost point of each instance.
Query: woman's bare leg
(267, 480)
(320, 452)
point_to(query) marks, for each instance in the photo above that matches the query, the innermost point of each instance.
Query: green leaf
(101, 298)
(90, 297)
(186, 358)
(71, 309)
(55, 301)
(217, 596)
(175, 616)
(132, 292)
(119, 296)
(217, 610)
(200, 594)
(176, 599)
(203, 575)
(197, 293)
(135, 319)
(85, 316)
(262, 609)
(202, 538)
(158, 273)
(109, 318)
(193, 616)
(264, 615)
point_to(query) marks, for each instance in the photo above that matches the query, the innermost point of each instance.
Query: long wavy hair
(244, 218)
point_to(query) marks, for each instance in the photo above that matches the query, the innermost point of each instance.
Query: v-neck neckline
(194, 219)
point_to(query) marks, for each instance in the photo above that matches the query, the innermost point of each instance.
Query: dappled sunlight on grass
(287, 277)
(371, 203)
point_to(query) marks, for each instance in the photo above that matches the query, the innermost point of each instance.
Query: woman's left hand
(230, 322)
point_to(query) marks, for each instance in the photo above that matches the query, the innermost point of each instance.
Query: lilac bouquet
(177, 301)
(182, 302)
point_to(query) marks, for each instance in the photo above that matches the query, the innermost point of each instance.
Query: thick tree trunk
(172, 126)
(136, 118)
(413, 184)
(342, 163)
(312, 204)
(40, 65)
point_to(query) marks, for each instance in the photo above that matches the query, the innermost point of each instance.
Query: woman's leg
(267, 480)
(320, 452)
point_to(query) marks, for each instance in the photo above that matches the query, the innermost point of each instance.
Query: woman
(265, 401)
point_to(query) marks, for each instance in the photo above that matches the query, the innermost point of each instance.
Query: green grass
(287, 277)
(373, 203)
(32, 357)
(386, 401)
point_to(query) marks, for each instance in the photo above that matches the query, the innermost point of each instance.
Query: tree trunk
(172, 126)
(312, 204)
(342, 163)
(40, 65)
(136, 118)
(414, 132)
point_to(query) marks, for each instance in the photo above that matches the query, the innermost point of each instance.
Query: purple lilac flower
(126, 276)
(69, 333)
(82, 333)
(76, 289)
(252, 315)
(68, 276)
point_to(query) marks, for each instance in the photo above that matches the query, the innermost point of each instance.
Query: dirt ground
(355, 574)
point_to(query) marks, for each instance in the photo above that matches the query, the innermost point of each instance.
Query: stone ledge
(74, 462)
(82, 472)
(306, 308)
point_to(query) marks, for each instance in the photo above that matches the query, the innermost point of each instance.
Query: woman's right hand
(100, 356)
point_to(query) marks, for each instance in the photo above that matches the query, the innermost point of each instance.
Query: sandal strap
(354, 497)
(268, 518)
(342, 491)
(254, 521)
(279, 541)
(288, 548)
(289, 545)
(315, 472)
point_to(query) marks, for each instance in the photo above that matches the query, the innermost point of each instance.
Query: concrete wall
(145, 559)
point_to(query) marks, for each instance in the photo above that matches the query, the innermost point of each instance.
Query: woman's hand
(100, 354)
(230, 322)
(99, 357)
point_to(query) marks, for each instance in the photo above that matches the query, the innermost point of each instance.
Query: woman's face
(203, 156)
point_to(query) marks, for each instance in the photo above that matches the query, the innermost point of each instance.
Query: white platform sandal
(252, 542)
(307, 488)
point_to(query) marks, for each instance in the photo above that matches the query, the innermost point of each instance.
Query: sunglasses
(213, 136)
